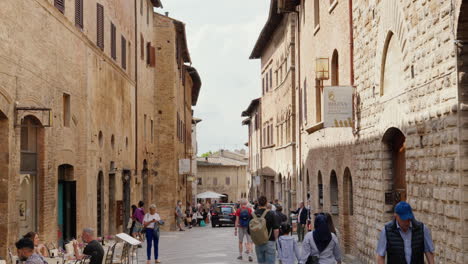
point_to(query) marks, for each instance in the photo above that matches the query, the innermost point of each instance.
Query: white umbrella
(207, 195)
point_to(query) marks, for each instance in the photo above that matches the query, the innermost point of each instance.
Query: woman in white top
(151, 222)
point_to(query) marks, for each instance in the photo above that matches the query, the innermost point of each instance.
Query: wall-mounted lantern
(322, 71)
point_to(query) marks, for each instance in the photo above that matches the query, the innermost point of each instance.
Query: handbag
(312, 260)
(130, 222)
(202, 223)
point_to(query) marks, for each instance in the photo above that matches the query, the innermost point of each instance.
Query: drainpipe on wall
(351, 64)
(136, 89)
(298, 67)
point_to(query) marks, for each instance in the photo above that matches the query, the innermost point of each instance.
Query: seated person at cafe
(92, 249)
(25, 248)
(38, 248)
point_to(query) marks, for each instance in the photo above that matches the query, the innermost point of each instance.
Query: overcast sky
(221, 35)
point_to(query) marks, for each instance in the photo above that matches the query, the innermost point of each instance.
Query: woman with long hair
(321, 244)
(39, 248)
(331, 226)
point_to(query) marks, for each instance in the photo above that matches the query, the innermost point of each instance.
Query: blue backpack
(244, 217)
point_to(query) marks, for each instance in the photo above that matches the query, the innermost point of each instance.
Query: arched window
(334, 69)
(392, 72)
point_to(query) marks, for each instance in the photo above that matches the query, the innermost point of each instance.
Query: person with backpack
(243, 217)
(264, 231)
(320, 246)
(288, 251)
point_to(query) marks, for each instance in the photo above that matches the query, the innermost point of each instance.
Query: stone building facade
(177, 90)
(78, 116)
(406, 64)
(224, 172)
(253, 121)
(276, 49)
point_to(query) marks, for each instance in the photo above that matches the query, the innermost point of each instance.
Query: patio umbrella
(207, 195)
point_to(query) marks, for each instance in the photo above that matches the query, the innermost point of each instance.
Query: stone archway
(4, 179)
(394, 167)
(334, 202)
(320, 191)
(66, 203)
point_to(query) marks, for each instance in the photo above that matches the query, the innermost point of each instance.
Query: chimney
(167, 14)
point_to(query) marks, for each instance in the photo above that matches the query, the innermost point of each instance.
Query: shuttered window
(100, 26)
(79, 13)
(142, 47)
(60, 5)
(113, 42)
(124, 53)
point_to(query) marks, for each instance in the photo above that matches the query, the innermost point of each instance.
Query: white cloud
(221, 34)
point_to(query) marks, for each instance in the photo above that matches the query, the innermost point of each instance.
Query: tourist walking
(288, 251)
(321, 245)
(302, 216)
(138, 216)
(38, 247)
(243, 217)
(151, 222)
(405, 240)
(25, 250)
(264, 230)
(282, 218)
(179, 215)
(93, 248)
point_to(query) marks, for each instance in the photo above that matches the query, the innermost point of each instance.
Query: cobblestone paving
(199, 245)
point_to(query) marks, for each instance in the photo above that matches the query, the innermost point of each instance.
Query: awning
(207, 195)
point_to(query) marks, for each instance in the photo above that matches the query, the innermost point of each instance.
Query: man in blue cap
(404, 239)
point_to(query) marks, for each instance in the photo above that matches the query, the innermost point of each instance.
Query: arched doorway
(320, 190)
(348, 210)
(126, 182)
(395, 162)
(144, 175)
(334, 203)
(32, 137)
(100, 204)
(112, 221)
(66, 203)
(335, 69)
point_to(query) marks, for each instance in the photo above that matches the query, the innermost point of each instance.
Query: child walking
(288, 251)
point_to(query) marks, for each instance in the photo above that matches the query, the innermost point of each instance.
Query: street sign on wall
(184, 166)
(338, 106)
